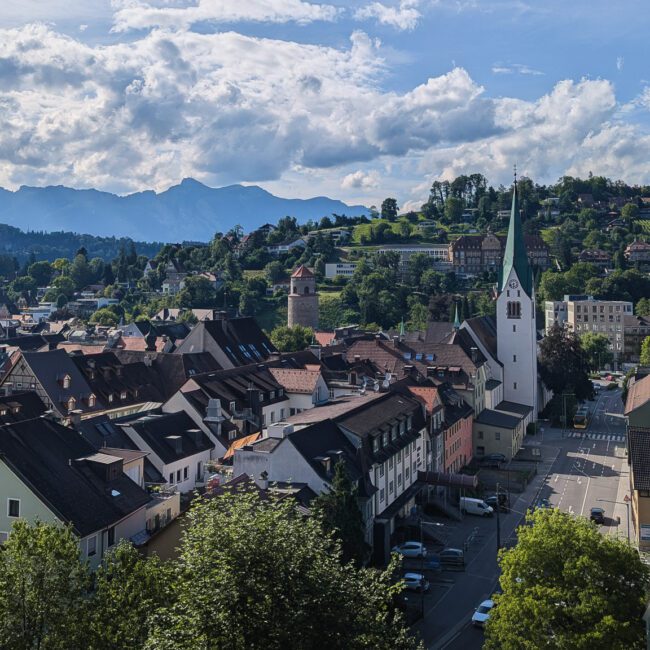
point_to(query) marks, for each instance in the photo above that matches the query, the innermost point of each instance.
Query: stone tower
(516, 330)
(303, 299)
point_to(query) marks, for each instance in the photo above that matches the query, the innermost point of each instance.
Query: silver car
(415, 582)
(411, 549)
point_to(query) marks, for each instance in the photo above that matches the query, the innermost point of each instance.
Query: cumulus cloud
(136, 14)
(360, 180)
(404, 16)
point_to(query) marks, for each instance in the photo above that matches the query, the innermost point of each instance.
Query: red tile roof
(302, 272)
(428, 395)
(296, 380)
(324, 338)
(638, 394)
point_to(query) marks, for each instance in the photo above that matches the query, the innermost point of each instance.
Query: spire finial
(515, 170)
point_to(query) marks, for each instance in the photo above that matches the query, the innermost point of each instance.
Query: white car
(415, 582)
(411, 549)
(482, 613)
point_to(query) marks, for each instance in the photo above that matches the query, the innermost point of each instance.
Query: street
(579, 470)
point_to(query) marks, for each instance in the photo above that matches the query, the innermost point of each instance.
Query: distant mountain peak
(194, 213)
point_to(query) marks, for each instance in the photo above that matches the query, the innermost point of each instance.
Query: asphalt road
(582, 468)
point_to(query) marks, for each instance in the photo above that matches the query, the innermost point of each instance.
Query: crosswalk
(609, 437)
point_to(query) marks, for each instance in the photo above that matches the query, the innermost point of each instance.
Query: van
(475, 507)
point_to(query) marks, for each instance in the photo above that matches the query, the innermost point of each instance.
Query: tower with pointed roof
(303, 299)
(516, 329)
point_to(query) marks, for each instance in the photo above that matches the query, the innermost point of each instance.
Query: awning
(448, 480)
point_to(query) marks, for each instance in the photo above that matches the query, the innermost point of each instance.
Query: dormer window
(233, 407)
(136, 392)
(72, 403)
(3, 411)
(272, 395)
(375, 444)
(281, 392)
(123, 395)
(110, 398)
(66, 381)
(92, 400)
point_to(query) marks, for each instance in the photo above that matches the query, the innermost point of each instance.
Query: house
(635, 330)
(498, 432)
(637, 251)
(231, 341)
(177, 448)
(50, 473)
(305, 387)
(286, 246)
(637, 403)
(174, 277)
(595, 256)
(638, 446)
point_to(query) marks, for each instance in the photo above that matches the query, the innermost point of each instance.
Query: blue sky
(357, 100)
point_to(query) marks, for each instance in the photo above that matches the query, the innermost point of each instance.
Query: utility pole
(498, 522)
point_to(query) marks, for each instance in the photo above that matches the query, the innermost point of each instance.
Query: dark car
(597, 515)
(503, 502)
(452, 557)
(493, 460)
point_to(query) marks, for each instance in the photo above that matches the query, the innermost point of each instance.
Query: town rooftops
(62, 469)
(638, 393)
(297, 380)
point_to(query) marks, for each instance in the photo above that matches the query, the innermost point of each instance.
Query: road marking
(556, 478)
(570, 510)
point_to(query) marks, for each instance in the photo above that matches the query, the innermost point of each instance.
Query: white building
(344, 269)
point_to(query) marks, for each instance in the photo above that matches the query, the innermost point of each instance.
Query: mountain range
(189, 211)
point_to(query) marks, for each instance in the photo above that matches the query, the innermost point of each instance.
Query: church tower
(303, 299)
(516, 326)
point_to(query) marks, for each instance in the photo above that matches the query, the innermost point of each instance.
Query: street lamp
(626, 503)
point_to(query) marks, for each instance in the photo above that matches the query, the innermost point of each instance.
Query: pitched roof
(324, 338)
(295, 380)
(638, 393)
(66, 474)
(493, 418)
(163, 432)
(639, 450)
(428, 395)
(515, 256)
(302, 272)
(20, 406)
(242, 442)
(485, 330)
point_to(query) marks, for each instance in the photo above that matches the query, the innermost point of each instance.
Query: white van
(475, 507)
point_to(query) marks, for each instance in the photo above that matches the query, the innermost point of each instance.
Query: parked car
(542, 503)
(475, 507)
(482, 613)
(415, 582)
(493, 460)
(452, 557)
(411, 549)
(503, 502)
(597, 515)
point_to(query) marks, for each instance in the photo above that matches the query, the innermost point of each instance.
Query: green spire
(515, 255)
(456, 319)
(401, 329)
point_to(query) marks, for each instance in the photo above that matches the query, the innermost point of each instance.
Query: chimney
(263, 480)
(213, 413)
(197, 436)
(377, 339)
(357, 358)
(353, 379)
(150, 340)
(326, 462)
(408, 370)
(176, 443)
(474, 353)
(254, 400)
(395, 341)
(75, 417)
(279, 430)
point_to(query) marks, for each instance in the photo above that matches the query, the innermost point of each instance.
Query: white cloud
(515, 68)
(137, 14)
(361, 180)
(620, 61)
(404, 16)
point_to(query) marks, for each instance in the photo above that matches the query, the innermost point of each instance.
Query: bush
(612, 385)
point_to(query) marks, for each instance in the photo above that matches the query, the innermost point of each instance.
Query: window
(272, 395)
(91, 400)
(390, 488)
(178, 476)
(514, 328)
(171, 478)
(384, 439)
(199, 471)
(390, 463)
(186, 472)
(13, 507)
(513, 309)
(233, 407)
(381, 495)
(399, 480)
(111, 536)
(497, 435)
(91, 548)
(66, 381)
(72, 402)
(408, 473)
(514, 385)
(282, 414)
(123, 395)
(272, 417)
(110, 398)
(381, 470)
(3, 537)
(375, 444)
(480, 435)
(514, 358)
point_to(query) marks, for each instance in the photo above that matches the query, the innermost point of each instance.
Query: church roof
(515, 256)
(302, 272)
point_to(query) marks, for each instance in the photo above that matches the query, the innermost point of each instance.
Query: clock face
(513, 284)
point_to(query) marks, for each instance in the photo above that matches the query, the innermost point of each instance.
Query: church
(509, 342)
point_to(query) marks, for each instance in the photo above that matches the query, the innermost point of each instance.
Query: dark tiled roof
(20, 406)
(372, 416)
(639, 449)
(31, 342)
(484, 327)
(513, 407)
(497, 419)
(52, 461)
(438, 332)
(491, 384)
(155, 431)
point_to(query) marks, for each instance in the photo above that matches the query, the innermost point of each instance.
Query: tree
(291, 339)
(340, 515)
(43, 589)
(643, 307)
(630, 211)
(197, 292)
(389, 209)
(596, 349)
(61, 301)
(567, 586)
(562, 363)
(253, 574)
(644, 358)
(453, 210)
(275, 272)
(128, 589)
(41, 272)
(105, 316)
